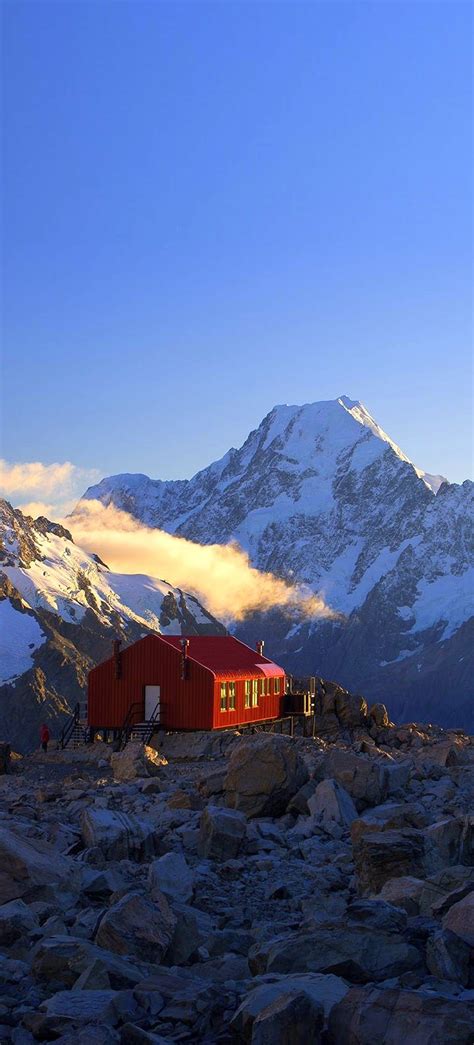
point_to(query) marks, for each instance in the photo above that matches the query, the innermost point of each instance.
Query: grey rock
(321, 990)
(331, 804)
(448, 957)
(221, 833)
(379, 714)
(29, 865)
(372, 1016)
(357, 952)
(171, 875)
(63, 959)
(16, 920)
(264, 773)
(136, 761)
(405, 892)
(90, 1006)
(118, 835)
(363, 778)
(381, 856)
(460, 919)
(137, 927)
(290, 1019)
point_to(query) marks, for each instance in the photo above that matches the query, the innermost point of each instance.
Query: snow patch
(20, 636)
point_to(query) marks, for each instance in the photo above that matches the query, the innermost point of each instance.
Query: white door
(152, 702)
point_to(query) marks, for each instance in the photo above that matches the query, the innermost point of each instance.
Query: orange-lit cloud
(221, 576)
(43, 489)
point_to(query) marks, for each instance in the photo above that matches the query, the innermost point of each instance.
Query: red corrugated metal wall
(185, 704)
(270, 705)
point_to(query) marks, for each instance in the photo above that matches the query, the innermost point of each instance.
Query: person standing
(44, 736)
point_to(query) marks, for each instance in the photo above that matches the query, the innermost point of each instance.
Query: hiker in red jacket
(44, 736)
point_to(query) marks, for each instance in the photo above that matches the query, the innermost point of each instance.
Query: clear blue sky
(213, 208)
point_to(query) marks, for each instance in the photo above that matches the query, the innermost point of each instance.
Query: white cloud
(221, 576)
(44, 489)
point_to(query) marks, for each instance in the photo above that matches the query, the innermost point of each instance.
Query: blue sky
(213, 208)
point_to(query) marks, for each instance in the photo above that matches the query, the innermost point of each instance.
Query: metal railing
(69, 727)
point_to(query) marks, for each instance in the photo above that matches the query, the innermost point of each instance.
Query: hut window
(247, 693)
(223, 696)
(276, 685)
(231, 690)
(255, 693)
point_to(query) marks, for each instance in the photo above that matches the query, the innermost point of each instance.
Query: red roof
(226, 656)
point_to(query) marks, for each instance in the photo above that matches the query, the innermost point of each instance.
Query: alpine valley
(320, 494)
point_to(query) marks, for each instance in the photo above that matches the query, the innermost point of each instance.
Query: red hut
(200, 682)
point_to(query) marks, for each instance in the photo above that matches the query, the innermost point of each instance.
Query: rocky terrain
(321, 494)
(60, 609)
(261, 889)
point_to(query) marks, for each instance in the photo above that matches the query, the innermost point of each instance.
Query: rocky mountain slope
(59, 610)
(319, 493)
(234, 889)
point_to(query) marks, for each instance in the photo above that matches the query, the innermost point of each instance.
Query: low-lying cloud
(220, 576)
(43, 489)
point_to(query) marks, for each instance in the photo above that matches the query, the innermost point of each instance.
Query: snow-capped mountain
(321, 494)
(60, 607)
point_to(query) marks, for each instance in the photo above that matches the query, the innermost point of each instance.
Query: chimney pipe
(184, 658)
(260, 645)
(117, 658)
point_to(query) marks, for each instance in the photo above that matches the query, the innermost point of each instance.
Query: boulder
(378, 914)
(16, 920)
(289, 1019)
(460, 919)
(382, 855)
(63, 959)
(136, 761)
(187, 936)
(440, 889)
(362, 777)
(118, 835)
(29, 865)
(90, 1006)
(373, 1016)
(403, 892)
(441, 906)
(299, 803)
(357, 952)
(448, 957)
(321, 990)
(444, 753)
(188, 747)
(221, 833)
(135, 926)
(171, 875)
(379, 715)
(331, 804)
(264, 773)
(350, 710)
(450, 841)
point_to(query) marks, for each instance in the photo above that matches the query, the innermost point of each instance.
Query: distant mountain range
(60, 608)
(319, 493)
